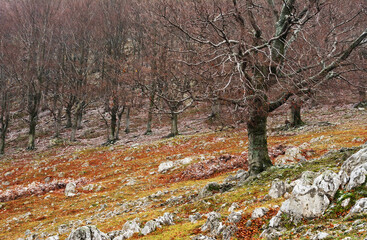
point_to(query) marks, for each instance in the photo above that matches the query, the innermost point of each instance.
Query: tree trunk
(32, 131)
(79, 108)
(215, 107)
(150, 114)
(127, 129)
(113, 126)
(68, 115)
(296, 120)
(33, 107)
(3, 130)
(362, 95)
(58, 122)
(80, 117)
(174, 125)
(119, 118)
(258, 156)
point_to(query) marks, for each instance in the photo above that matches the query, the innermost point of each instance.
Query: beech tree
(274, 48)
(33, 24)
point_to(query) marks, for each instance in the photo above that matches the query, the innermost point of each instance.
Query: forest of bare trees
(71, 56)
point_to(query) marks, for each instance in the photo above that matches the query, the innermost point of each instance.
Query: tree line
(70, 55)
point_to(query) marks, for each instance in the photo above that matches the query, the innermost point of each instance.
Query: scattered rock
(150, 226)
(70, 189)
(359, 207)
(213, 224)
(166, 219)
(357, 177)
(229, 232)
(270, 234)
(345, 202)
(56, 237)
(202, 237)
(165, 166)
(87, 233)
(259, 212)
(351, 164)
(321, 235)
(195, 217)
(209, 189)
(233, 207)
(235, 217)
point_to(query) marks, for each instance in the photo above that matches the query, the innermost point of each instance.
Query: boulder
(270, 234)
(165, 166)
(213, 224)
(229, 232)
(359, 207)
(87, 233)
(235, 217)
(308, 202)
(150, 226)
(302, 185)
(278, 189)
(202, 237)
(259, 212)
(328, 182)
(70, 189)
(209, 189)
(357, 159)
(166, 219)
(132, 226)
(357, 177)
(293, 154)
(321, 235)
(195, 217)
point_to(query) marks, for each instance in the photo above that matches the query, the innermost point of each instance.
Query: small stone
(259, 212)
(345, 202)
(70, 189)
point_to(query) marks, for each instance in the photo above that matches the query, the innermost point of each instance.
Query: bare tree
(269, 47)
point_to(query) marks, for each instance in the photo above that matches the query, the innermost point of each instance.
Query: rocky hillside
(195, 186)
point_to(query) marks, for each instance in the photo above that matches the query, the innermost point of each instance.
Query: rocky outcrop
(150, 226)
(328, 182)
(87, 233)
(278, 189)
(353, 171)
(213, 224)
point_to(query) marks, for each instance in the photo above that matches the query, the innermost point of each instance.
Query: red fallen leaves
(209, 168)
(248, 233)
(37, 188)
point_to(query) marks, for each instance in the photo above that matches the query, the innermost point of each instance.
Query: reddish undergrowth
(37, 188)
(209, 168)
(247, 233)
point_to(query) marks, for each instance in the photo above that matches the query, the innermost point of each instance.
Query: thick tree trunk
(174, 125)
(150, 115)
(296, 119)
(127, 129)
(258, 156)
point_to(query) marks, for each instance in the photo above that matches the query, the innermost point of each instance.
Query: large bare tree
(270, 49)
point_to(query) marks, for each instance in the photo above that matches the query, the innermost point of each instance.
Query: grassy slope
(111, 167)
